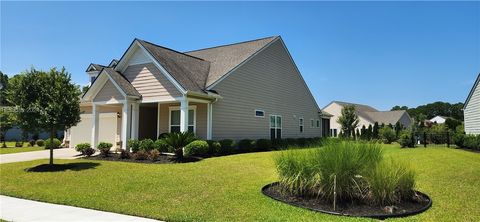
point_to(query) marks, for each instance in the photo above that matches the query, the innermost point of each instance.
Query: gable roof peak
(236, 43)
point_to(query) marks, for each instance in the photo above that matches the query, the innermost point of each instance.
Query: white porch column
(158, 120)
(126, 121)
(135, 120)
(209, 121)
(184, 115)
(95, 125)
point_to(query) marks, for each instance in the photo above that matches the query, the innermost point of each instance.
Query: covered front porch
(137, 120)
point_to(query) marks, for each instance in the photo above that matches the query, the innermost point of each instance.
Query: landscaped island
(347, 178)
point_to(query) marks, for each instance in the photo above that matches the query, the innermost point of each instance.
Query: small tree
(363, 132)
(369, 132)
(375, 130)
(50, 101)
(348, 120)
(387, 134)
(7, 121)
(398, 128)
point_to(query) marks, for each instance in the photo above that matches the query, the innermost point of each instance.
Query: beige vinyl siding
(150, 82)
(269, 82)
(108, 93)
(201, 118)
(472, 113)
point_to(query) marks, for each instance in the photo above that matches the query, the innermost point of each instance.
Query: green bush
(387, 134)
(161, 146)
(472, 142)
(196, 148)
(278, 144)
(459, 139)
(291, 141)
(177, 141)
(81, 147)
(213, 147)
(31, 143)
(146, 145)
(40, 142)
(56, 143)
(391, 181)
(301, 142)
(263, 144)
(227, 146)
(133, 145)
(104, 148)
(406, 139)
(246, 145)
(18, 144)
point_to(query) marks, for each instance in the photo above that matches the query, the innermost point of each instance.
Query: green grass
(228, 188)
(19, 150)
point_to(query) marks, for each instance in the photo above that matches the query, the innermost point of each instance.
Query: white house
(438, 119)
(471, 109)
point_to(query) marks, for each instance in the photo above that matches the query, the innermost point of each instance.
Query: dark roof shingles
(123, 83)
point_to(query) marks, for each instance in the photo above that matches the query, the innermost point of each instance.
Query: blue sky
(378, 53)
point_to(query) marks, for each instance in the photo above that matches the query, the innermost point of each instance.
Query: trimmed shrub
(40, 142)
(246, 145)
(162, 135)
(146, 145)
(196, 148)
(213, 147)
(89, 151)
(387, 134)
(153, 155)
(81, 147)
(406, 139)
(301, 142)
(471, 142)
(18, 144)
(140, 155)
(263, 144)
(56, 143)
(458, 139)
(278, 144)
(104, 148)
(31, 143)
(133, 145)
(227, 146)
(291, 141)
(177, 141)
(161, 146)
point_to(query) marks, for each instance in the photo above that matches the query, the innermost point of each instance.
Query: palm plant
(179, 140)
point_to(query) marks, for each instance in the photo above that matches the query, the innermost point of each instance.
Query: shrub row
(467, 141)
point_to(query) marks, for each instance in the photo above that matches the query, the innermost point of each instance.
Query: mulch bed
(162, 159)
(356, 209)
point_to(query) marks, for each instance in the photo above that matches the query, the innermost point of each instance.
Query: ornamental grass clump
(343, 172)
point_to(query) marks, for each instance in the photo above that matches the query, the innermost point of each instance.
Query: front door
(275, 127)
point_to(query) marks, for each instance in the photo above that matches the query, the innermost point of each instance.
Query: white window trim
(174, 108)
(259, 110)
(301, 122)
(276, 127)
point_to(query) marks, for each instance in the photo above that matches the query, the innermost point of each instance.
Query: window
(311, 123)
(301, 124)
(175, 120)
(259, 113)
(318, 123)
(334, 132)
(275, 127)
(92, 78)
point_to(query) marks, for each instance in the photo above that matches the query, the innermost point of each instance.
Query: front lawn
(228, 188)
(19, 149)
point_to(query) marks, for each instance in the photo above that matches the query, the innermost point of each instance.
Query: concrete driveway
(63, 153)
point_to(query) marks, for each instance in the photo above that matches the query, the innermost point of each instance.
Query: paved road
(15, 209)
(63, 153)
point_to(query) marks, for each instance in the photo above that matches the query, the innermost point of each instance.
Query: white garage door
(82, 132)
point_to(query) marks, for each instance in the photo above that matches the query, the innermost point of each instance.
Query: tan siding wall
(472, 113)
(269, 82)
(201, 118)
(150, 82)
(108, 93)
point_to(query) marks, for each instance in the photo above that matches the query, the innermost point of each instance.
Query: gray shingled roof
(225, 58)
(126, 86)
(386, 117)
(188, 71)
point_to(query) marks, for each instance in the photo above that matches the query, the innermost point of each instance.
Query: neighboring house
(248, 90)
(15, 134)
(367, 116)
(438, 119)
(471, 109)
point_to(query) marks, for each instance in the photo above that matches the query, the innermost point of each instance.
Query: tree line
(431, 110)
